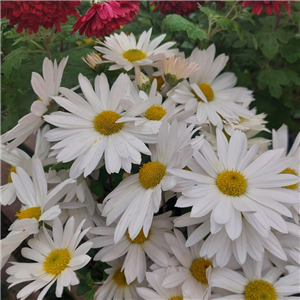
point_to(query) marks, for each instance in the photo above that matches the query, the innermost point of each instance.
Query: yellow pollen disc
(134, 55)
(11, 170)
(29, 213)
(260, 290)
(105, 124)
(290, 171)
(231, 183)
(120, 278)
(176, 298)
(206, 90)
(151, 174)
(57, 261)
(155, 113)
(140, 238)
(160, 81)
(198, 269)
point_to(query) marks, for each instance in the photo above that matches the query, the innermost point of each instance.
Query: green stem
(37, 45)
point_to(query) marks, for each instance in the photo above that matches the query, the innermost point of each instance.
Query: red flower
(32, 14)
(105, 18)
(258, 6)
(183, 8)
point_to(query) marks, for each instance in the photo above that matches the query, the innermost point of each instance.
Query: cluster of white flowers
(205, 210)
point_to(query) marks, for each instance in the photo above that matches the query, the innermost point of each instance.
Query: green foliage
(97, 188)
(178, 23)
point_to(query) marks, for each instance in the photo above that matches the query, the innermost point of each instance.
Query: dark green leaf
(62, 166)
(82, 288)
(90, 294)
(97, 188)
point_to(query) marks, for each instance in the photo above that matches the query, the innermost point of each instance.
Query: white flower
(45, 88)
(280, 140)
(194, 275)
(16, 157)
(238, 184)
(256, 285)
(55, 260)
(160, 293)
(115, 286)
(138, 197)
(210, 97)
(37, 204)
(90, 131)
(153, 245)
(127, 53)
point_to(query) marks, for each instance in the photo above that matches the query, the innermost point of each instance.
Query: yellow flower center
(11, 170)
(155, 113)
(290, 171)
(57, 261)
(140, 238)
(160, 81)
(260, 290)
(29, 213)
(206, 90)
(231, 183)
(176, 298)
(198, 269)
(105, 122)
(120, 279)
(151, 174)
(134, 55)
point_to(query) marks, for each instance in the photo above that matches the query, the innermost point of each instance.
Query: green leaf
(209, 12)
(14, 60)
(89, 279)
(239, 44)
(82, 288)
(97, 188)
(178, 23)
(274, 79)
(238, 29)
(62, 166)
(292, 76)
(291, 51)
(90, 295)
(225, 23)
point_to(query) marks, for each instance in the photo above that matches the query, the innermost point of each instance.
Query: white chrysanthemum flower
(210, 96)
(220, 248)
(280, 140)
(37, 203)
(16, 157)
(139, 197)
(160, 293)
(194, 275)
(126, 53)
(153, 245)
(256, 285)
(176, 69)
(238, 184)
(115, 286)
(89, 131)
(55, 260)
(45, 87)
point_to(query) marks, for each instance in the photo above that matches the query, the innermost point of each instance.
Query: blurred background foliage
(264, 54)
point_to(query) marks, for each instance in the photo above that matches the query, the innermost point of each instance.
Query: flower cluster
(32, 14)
(203, 210)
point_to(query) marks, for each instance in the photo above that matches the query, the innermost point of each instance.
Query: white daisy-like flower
(176, 69)
(139, 196)
(37, 204)
(16, 157)
(194, 275)
(115, 286)
(220, 248)
(45, 87)
(55, 260)
(280, 140)
(238, 184)
(126, 53)
(159, 292)
(255, 284)
(153, 245)
(90, 131)
(210, 96)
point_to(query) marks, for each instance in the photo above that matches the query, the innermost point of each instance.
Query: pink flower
(258, 6)
(105, 18)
